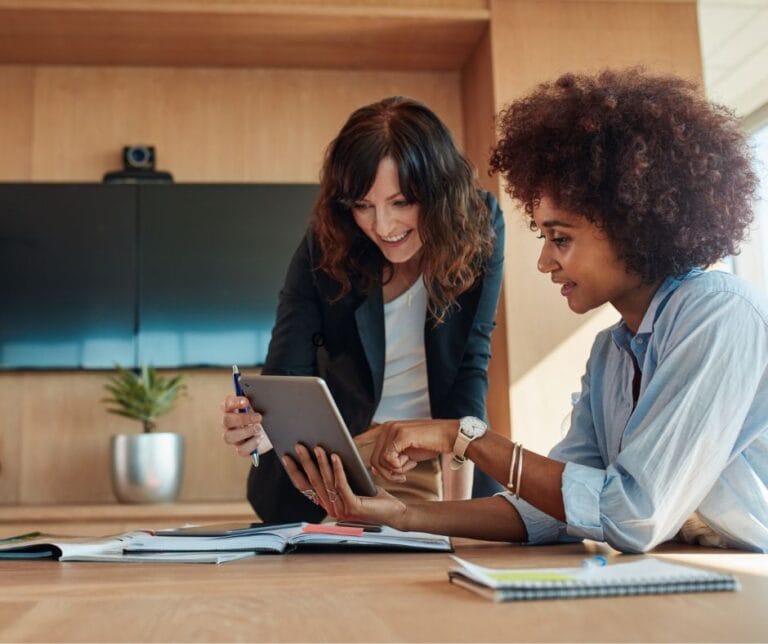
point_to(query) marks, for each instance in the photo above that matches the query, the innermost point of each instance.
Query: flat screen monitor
(212, 261)
(93, 276)
(67, 276)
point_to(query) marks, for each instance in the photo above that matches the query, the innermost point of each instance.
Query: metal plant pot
(147, 468)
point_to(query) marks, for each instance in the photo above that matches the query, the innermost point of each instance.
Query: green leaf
(142, 396)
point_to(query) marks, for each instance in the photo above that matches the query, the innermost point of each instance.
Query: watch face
(472, 427)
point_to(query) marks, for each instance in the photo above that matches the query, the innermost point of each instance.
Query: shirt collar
(623, 338)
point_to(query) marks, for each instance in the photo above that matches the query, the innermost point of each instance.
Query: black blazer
(344, 343)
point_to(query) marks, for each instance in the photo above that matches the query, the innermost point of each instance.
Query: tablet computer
(300, 409)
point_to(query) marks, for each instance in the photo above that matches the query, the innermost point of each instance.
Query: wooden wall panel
(540, 40)
(11, 436)
(531, 42)
(16, 100)
(478, 102)
(207, 124)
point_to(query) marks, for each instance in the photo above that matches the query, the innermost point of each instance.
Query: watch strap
(459, 448)
(470, 428)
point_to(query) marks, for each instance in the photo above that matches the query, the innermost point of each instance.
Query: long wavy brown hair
(454, 224)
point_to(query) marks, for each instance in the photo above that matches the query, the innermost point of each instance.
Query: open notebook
(283, 538)
(645, 577)
(37, 545)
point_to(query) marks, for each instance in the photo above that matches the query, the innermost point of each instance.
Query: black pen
(239, 392)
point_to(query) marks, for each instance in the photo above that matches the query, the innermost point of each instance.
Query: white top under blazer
(405, 393)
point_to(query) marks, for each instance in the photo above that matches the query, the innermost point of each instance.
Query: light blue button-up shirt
(697, 441)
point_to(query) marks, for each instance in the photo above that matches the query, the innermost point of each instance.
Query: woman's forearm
(492, 518)
(401, 444)
(541, 480)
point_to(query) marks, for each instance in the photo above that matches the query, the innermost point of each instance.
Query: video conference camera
(138, 167)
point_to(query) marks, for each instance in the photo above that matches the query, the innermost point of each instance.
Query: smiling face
(387, 218)
(582, 260)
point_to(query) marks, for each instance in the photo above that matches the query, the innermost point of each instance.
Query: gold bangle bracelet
(512, 463)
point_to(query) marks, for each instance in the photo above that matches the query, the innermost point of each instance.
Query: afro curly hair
(666, 174)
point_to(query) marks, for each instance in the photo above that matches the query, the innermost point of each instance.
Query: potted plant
(146, 467)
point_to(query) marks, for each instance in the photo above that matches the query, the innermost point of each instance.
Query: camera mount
(138, 167)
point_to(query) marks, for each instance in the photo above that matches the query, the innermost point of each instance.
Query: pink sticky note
(330, 528)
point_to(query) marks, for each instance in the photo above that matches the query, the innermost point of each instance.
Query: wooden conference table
(359, 597)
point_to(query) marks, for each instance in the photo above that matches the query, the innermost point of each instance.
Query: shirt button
(639, 341)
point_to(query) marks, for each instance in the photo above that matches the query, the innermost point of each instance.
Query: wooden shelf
(418, 35)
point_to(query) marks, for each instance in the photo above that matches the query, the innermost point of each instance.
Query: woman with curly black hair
(636, 184)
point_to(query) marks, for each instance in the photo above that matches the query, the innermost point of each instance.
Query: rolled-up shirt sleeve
(541, 527)
(582, 488)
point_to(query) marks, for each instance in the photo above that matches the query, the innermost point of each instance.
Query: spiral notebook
(645, 577)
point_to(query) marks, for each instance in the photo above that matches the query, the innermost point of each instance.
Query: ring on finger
(311, 495)
(333, 495)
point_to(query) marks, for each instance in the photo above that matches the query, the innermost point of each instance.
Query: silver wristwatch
(470, 428)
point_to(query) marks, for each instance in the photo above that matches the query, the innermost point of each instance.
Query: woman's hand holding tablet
(299, 410)
(315, 474)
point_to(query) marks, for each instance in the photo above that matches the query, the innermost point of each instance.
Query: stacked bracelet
(512, 461)
(515, 469)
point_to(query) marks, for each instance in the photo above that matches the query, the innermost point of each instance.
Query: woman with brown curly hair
(391, 296)
(635, 184)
